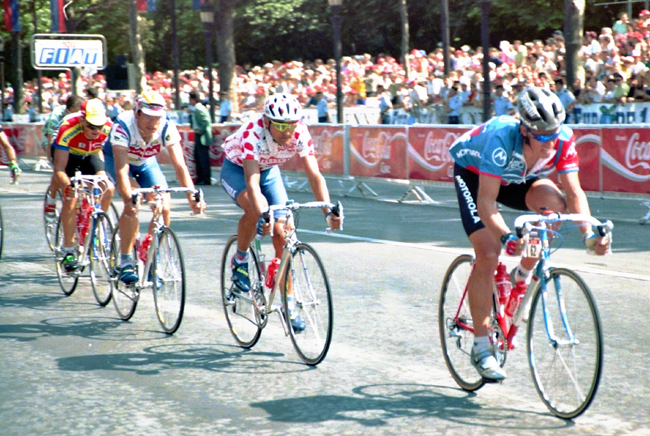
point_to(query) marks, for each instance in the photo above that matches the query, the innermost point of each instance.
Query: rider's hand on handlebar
(197, 207)
(512, 244)
(597, 244)
(264, 225)
(334, 217)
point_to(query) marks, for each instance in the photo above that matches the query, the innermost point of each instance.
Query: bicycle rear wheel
(50, 224)
(67, 280)
(125, 298)
(168, 276)
(240, 313)
(565, 344)
(100, 259)
(456, 325)
(308, 282)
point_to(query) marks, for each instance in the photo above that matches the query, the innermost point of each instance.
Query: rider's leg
(481, 280)
(68, 219)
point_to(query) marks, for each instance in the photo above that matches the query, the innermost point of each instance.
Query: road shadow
(85, 328)
(376, 405)
(208, 357)
(46, 279)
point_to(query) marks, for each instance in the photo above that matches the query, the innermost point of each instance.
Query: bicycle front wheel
(565, 344)
(240, 312)
(307, 282)
(67, 280)
(168, 278)
(125, 298)
(100, 259)
(456, 325)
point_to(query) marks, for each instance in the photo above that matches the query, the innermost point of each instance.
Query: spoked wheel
(456, 325)
(51, 223)
(240, 311)
(168, 277)
(306, 280)
(100, 259)
(566, 357)
(125, 298)
(67, 280)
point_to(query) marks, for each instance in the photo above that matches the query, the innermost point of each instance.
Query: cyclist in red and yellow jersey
(78, 145)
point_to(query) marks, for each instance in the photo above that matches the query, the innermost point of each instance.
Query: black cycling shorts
(88, 165)
(512, 195)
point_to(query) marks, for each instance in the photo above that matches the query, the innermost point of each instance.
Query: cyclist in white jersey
(250, 175)
(135, 140)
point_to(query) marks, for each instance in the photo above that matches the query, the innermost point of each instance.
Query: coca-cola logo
(323, 144)
(436, 150)
(637, 154)
(374, 149)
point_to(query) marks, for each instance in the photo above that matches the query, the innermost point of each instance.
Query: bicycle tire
(168, 269)
(241, 316)
(67, 281)
(567, 378)
(100, 259)
(50, 226)
(311, 291)
(125, 298)
(457, 341)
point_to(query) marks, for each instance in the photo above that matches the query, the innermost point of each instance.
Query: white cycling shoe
(487, 366)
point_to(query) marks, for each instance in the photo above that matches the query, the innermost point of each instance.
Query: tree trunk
(404, 47)
(574, 11)
(225, 31)
(137, 53)
(16, 73)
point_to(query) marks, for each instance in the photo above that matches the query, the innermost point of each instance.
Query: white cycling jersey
(125, 134)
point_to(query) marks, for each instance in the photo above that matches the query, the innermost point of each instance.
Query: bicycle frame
(87, 186)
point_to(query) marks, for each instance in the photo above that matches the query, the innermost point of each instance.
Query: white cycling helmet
(540, 110)
(151, 103)
(282, 107)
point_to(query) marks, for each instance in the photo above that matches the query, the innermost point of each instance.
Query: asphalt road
(70, 367)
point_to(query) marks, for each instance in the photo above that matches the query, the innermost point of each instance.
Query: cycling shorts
(271, 185)
(512, 195)
(88, 165)
(147, 174)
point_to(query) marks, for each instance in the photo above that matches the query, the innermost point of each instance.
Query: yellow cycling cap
(95, 112)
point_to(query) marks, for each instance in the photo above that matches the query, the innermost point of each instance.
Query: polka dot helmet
(282, 107)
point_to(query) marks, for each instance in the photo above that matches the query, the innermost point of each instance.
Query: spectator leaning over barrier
(225, 108)
(453, 104)
(322, 107)
(385, 104)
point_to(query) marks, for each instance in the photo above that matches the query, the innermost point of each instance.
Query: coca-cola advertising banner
(378, 152)
(588, 147)
(219, 135)
(428, 152)
(328, 147)
(626, 159)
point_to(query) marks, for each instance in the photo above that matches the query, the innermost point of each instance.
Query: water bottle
(145, 242)
(502, 280)
(515, 298)
(83, 217)
(270, 275)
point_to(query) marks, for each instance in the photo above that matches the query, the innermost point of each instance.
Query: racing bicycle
(300, 273)
(563, 334)
(159, 265)
(92, 238)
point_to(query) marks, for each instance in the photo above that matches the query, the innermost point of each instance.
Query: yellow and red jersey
(71, 137)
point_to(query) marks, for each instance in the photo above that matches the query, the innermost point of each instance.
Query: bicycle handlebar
(336, 209)
(523, 223)
(198, 194)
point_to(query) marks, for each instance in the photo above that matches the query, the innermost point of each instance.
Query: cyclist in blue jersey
(505, 161)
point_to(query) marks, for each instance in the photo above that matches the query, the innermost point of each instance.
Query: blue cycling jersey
(496, 148)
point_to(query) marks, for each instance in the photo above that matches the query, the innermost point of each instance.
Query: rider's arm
(319, 188)
(121, 157)
(577, 203)
(60, 163)
(252, 178)
(488, 190)
(183, 174)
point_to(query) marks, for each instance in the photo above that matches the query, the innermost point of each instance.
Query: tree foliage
(301, 29)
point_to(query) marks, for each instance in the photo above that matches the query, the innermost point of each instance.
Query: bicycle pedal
(489, 380)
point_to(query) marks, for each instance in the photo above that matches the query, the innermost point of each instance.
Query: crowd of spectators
(614, 68)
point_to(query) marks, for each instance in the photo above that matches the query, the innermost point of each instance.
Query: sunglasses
(545, 138)
(281, 127)
(93, 127)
